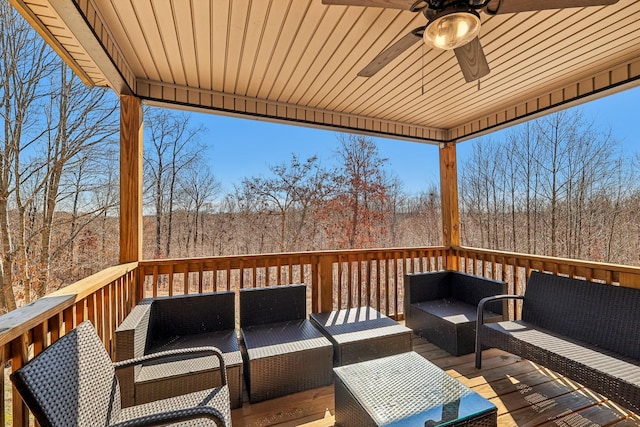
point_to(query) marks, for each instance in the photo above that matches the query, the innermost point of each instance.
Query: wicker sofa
(441, 306)
(584, 330)
(177, 322)
(283, 352)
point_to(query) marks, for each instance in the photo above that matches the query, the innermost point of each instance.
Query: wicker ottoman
(362, 333)
(406, 389)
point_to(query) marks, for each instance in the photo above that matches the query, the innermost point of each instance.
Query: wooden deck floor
(525, 394)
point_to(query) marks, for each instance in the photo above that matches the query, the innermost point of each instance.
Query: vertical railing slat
(349, 282)
(339, 282)
(396, 276)
(378, 285)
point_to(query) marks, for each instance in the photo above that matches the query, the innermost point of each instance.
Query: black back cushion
(273, 304)
(427, 286)
(471, 289)
(603, 315)
(190, 315)
(451, 284)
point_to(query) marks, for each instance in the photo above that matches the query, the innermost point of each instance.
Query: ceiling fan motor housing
(452, 27)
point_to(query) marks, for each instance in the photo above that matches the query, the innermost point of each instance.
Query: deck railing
(335, 279)
(514, 268)
(104, 298)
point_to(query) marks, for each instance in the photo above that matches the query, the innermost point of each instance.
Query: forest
(555, 186)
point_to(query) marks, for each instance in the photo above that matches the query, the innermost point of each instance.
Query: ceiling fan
(454, 25)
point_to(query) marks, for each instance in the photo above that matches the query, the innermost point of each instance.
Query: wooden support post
(131, 143)
(131, 130)
(449, 198)
(326, 283)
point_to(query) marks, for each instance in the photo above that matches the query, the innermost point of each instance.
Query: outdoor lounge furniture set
(362, 333)
(589, 332)
(402, 388)
(584, 330)
(283, 352)
(380, 381)
(183, 361)
(179, 358)
(168, 323)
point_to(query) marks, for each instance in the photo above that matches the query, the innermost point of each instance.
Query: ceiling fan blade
(513, 6)
(391, 4)
(472, 61)
(391, 53)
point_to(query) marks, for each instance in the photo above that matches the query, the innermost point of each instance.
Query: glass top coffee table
(406, 390)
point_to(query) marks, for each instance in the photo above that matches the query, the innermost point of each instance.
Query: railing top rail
(250, 257)
(21, 320)
(542, 258)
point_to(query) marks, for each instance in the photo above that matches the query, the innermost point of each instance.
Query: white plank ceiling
(297, 61)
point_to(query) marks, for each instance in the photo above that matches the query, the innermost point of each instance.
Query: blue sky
(244, 148)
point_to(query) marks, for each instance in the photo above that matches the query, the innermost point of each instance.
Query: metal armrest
(486, 300)
(480, 321)
(179, 352)
(164, 418)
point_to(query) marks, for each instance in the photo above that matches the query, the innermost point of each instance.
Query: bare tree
(199, 188)
(525, 149)
(476, 192)
(171, 147)
(250, 224)
(555, 178)
(395, 204)
(25, 62)
(88, 196)
(81, 122)
(429, 214)
(294, 190)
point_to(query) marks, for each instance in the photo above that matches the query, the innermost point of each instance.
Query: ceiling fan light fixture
(452, 29)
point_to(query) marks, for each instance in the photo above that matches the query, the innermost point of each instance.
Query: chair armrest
(179, 352)
(486, 300)
(480, 321)
(164, 418)
(131, 335)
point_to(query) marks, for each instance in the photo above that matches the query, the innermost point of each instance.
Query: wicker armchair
(73, 383)
(283, 352)
(171, 323)
(441, 306)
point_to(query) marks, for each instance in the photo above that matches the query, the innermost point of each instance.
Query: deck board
(526, 394)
